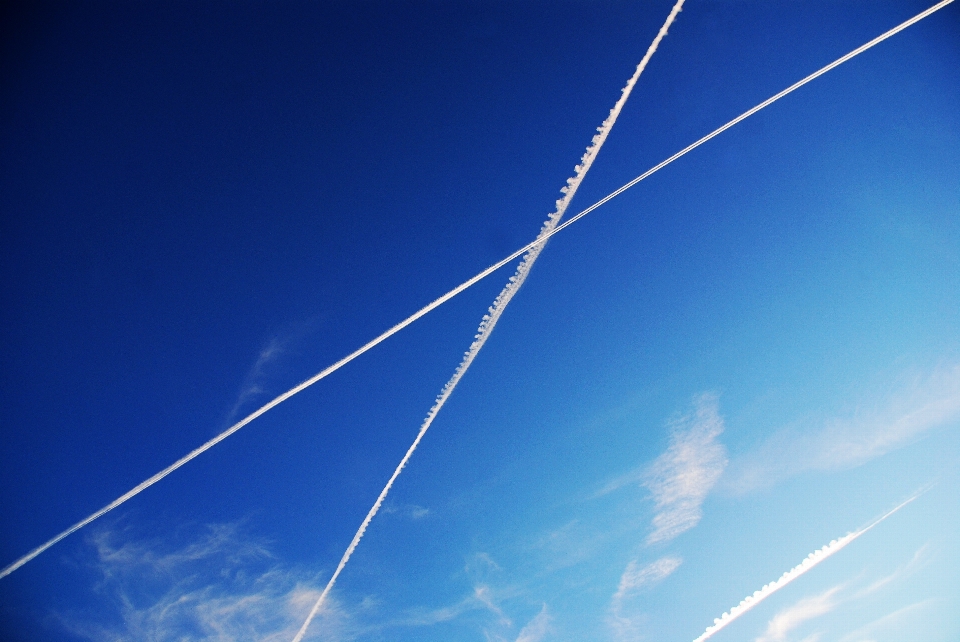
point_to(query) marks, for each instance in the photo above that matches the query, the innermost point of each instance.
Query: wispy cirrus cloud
(252, 385)
(624, 619)
(919, 559)
(219, 583)
(783, 625)
(812, 560)
(794, 616)
(573, 543)
(681, 477)
(811, 607)
(481, 598)
(891, 623)
(486, 605)
(410, 511)
(537, 628)
(636, 576)
(218, 586)
(788, 620)
(918, 405)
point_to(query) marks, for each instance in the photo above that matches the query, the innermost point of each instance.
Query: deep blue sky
(184, 188)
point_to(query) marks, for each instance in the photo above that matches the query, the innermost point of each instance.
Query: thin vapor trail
(808, 563)
(538, 242)
(489, 321)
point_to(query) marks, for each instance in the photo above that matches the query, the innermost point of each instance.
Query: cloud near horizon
(681, 477)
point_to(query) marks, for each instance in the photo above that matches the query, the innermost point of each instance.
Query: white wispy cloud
(786, 621)
(624, 619)
(889, 623)
(919, 558)
(636, 576)
(481, 562)
(918, 405)
(537, 628)
(627, 479)
(253, 382)
(481, 598)
(220, 586)
(575, 542)
(812, 560)
(793, 616)
(680, 478)
(411, 511)
(485, 596)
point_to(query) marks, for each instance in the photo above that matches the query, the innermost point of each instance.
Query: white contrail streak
(540, 240)
(489, 321)
(808, 563)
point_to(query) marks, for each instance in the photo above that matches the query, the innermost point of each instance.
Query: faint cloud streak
(481, 598)
(252, 383)
(897, 618)
(903, 416)
(636, 576)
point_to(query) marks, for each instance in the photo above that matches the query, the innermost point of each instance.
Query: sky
(747, 356)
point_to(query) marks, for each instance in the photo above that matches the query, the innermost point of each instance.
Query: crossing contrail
(489, 321)
(538, 242)
(808, 563)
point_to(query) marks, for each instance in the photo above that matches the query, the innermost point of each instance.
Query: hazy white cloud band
(811, 560)
(919, 405)
(489, 321)
(540, 240)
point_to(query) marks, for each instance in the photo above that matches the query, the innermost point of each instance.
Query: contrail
(540, 240)
(489, 321)
(811, 560)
